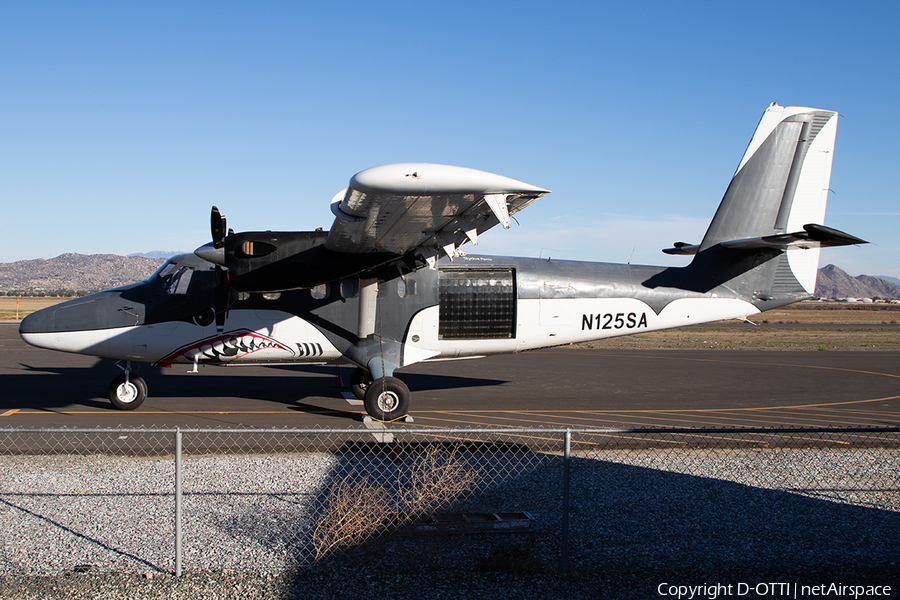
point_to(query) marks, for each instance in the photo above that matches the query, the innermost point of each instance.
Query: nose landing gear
(127, 391)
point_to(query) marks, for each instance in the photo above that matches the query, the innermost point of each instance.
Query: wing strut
(368, 303)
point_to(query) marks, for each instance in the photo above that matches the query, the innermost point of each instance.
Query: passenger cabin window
(349, 288)
(477, 304)
(406, 287)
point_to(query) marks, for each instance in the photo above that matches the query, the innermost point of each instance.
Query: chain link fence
(167, 499)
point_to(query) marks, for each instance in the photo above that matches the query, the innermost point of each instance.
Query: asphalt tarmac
(557, 387)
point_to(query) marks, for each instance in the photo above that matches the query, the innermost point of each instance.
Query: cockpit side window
(174, 279)
(180, 280)
(165, 269)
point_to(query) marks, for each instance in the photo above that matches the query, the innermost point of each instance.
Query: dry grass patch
(26, 306)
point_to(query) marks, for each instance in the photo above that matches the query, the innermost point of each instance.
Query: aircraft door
(552, 303)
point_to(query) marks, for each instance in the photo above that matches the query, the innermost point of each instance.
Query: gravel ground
(103, 527)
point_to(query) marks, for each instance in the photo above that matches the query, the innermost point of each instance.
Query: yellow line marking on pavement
(11, 411)
(665, 410)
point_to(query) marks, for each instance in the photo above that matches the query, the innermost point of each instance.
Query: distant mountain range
(888, 278)
(832, 282)
(71, 273)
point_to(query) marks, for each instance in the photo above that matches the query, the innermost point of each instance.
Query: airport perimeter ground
(844, 362)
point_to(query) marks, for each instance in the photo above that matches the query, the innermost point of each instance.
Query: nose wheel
(127, 391)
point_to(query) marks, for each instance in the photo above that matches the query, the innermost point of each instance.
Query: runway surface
(557, 387)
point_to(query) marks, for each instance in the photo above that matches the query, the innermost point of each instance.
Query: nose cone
(74, 315)
(212, 254)
(48, 327)
(40, 321)
(81, 324)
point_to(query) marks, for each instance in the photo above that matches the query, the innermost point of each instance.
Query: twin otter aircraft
(388, 287)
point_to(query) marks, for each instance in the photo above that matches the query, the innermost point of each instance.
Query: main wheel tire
(387, 399)
(127, 395)
(360, 380)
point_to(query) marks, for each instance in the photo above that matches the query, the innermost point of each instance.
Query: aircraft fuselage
(472, 306)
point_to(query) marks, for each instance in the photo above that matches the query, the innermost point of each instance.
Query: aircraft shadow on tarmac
(623, 518)
(58, 387)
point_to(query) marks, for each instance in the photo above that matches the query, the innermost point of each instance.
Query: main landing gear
(127, 391)
(385, 398)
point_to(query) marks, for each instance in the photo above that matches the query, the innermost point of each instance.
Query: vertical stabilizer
(780, 185)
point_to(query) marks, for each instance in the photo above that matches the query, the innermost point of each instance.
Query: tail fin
(780, 185)
(765, 238)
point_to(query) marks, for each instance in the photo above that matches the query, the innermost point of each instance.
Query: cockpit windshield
(173, 278)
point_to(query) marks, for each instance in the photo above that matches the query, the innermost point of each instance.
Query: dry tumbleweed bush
(356, 508)
(352, 513)
(436, 480)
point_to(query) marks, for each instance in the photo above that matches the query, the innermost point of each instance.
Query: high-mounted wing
(427, 208)
(403, 214)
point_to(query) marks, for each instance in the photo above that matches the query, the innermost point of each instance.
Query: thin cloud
(867, 214)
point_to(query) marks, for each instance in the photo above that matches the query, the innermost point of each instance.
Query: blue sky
(121, 123)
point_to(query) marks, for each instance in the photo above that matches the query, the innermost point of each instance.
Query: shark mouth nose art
(226, 348)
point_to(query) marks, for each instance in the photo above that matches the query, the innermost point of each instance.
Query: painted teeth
(231, 348)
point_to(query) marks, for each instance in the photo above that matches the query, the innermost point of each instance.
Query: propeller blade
(217, 227)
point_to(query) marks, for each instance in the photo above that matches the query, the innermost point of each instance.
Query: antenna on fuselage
(541, 255)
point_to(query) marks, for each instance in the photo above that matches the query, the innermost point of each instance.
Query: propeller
(214, 251)
(217, 227)
(222, 293)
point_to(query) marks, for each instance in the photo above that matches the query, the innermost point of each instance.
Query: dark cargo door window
(477, 304)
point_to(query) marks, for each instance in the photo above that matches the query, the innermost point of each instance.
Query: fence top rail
(449, 430)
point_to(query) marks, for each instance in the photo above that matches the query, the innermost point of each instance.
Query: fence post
(177, 502)
(564, 551)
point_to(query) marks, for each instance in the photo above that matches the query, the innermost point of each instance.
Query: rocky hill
(833, 282)
(74, 273)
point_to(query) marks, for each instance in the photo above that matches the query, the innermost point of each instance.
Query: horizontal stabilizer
(812, 236)
(682, 249)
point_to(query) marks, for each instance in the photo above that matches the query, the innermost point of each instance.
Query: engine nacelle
(270, 261)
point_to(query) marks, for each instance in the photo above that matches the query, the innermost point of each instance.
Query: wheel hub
(127, 392)
(388, 402)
